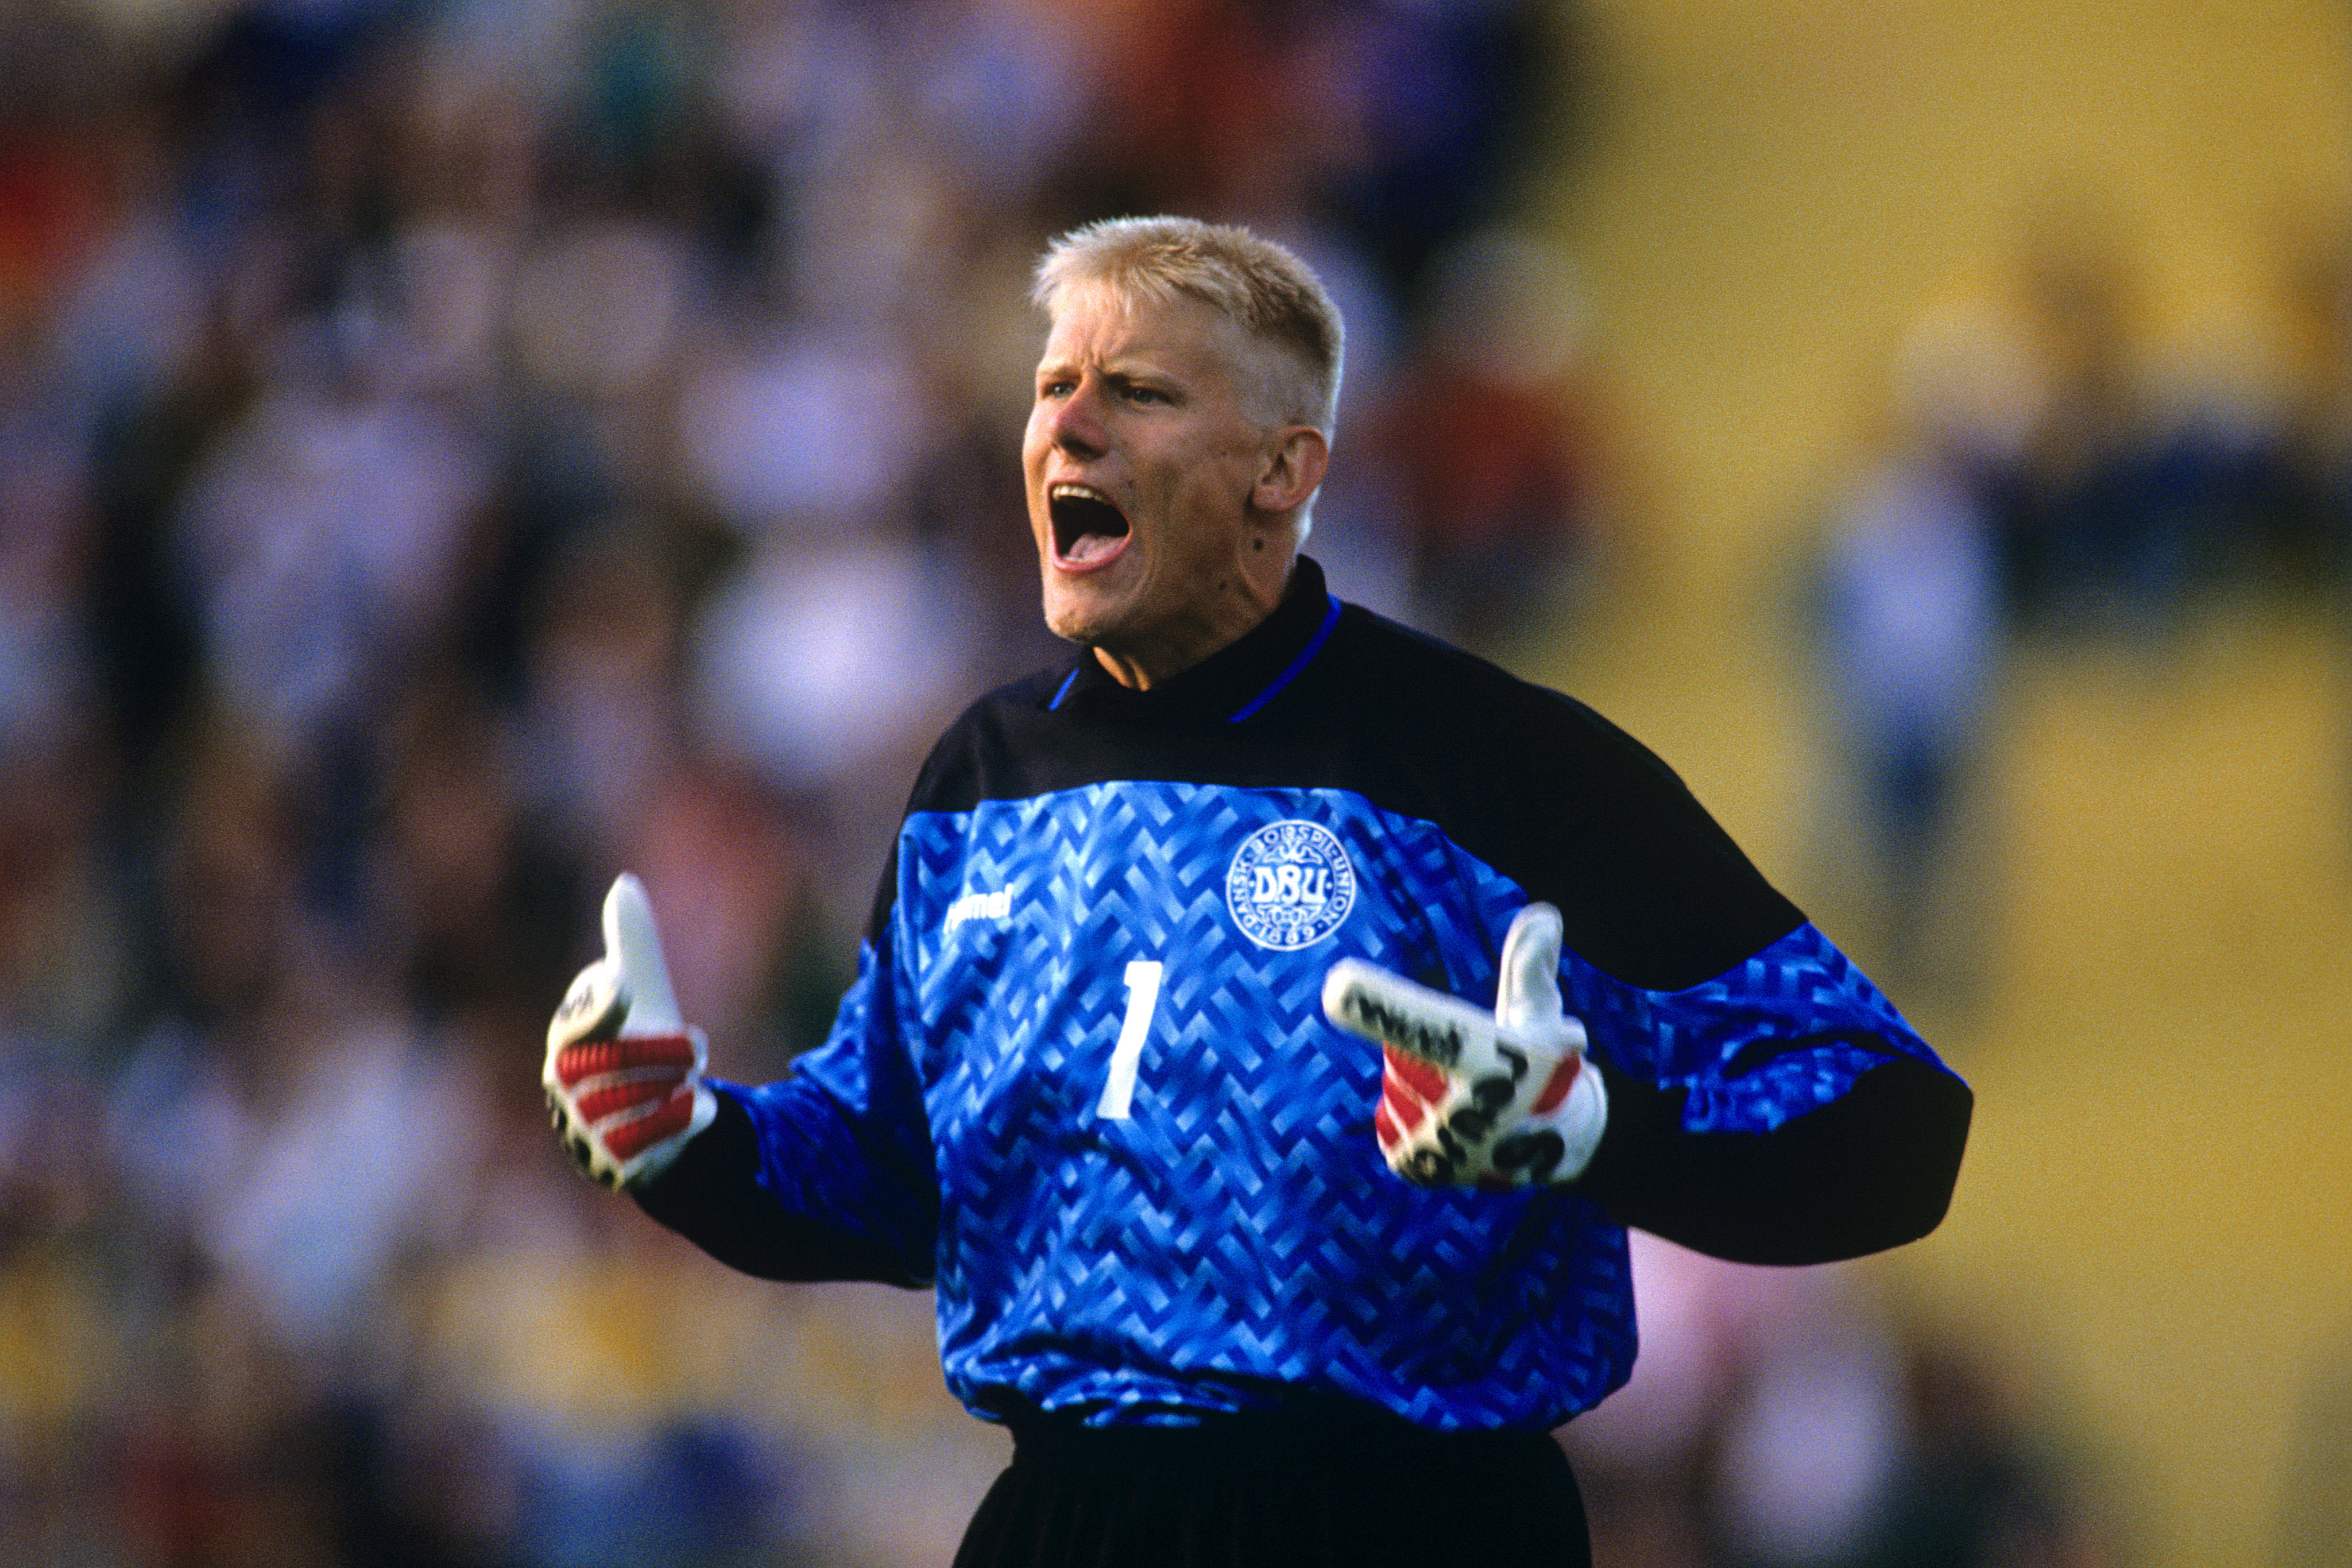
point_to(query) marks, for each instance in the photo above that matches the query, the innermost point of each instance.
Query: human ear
(1294, 467)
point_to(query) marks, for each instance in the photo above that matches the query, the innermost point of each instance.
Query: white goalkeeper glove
(623, 1073)
(1470, 1099)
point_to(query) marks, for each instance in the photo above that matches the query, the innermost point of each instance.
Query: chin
(1079, 617)
(1087, 608)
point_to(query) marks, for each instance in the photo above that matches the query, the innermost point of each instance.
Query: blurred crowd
(1801, 1418)
(451, 450)
(2065, 460)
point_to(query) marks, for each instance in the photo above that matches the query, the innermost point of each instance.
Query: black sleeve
(1543, 789)
(1872, 1169)
(711, 1195)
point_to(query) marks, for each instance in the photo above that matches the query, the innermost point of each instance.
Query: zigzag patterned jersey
(1084, 1086)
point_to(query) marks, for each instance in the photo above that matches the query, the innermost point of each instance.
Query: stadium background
(424, 429)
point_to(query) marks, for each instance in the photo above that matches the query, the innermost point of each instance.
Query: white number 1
(1143, 998)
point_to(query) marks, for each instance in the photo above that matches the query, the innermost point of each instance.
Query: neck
(1233, 613)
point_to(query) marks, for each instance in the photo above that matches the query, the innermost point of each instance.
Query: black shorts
(1240, 1492)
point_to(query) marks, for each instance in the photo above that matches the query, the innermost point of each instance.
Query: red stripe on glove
(1424, 1080)
(595, 1105)
(631, 1138)
(1563, 1079)
(594, 1058)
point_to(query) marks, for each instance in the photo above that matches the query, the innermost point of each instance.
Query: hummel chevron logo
(994, 906)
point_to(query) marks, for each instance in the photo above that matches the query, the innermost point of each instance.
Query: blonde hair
(1259, 285)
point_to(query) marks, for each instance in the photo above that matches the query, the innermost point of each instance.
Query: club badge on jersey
(1291, 884)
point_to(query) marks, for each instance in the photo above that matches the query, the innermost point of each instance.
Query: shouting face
(1160, 495)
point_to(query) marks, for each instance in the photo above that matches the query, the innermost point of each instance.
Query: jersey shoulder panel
(979, 756)
(1531, 781)
(1555, 795)
(971, 761)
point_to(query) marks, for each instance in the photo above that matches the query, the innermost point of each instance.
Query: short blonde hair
(1259, 285)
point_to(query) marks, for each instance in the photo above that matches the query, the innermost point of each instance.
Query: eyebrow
(1124, 370)
(1132, 363)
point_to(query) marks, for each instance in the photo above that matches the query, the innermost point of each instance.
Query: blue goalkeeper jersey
(1084, 1088)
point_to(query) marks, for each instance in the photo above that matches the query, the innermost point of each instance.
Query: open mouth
(1088, 527)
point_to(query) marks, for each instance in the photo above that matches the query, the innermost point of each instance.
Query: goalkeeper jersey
(1083, 1087)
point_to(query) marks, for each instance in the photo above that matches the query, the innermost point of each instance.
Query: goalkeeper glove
(624, 1074)
(1469, 1099)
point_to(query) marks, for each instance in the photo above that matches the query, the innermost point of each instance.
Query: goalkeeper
(1246, 1286)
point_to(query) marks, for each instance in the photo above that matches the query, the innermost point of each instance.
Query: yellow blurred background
(2156, 1216)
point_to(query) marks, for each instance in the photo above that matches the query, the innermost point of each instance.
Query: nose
(1075, 425)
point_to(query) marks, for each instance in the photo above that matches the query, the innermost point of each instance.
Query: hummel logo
(979, 906)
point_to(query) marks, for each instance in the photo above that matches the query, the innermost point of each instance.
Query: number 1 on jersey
(1142, 1000)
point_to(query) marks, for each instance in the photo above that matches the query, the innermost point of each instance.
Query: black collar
(1239, 678)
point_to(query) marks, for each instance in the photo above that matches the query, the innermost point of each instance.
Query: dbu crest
(1291, 884)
